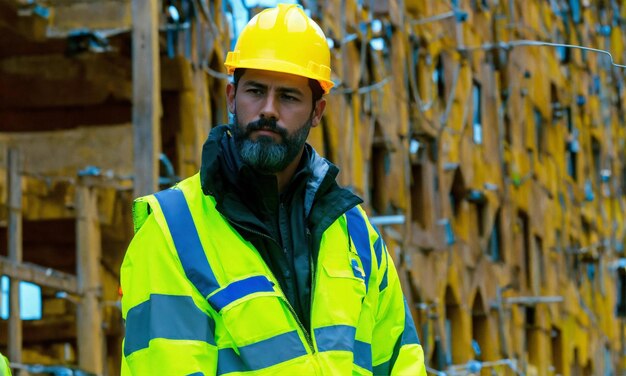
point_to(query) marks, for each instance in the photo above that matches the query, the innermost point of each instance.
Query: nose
(269, 109)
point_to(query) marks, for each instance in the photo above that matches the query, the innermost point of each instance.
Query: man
(261, 264)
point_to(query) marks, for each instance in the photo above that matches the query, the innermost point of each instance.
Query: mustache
(265, 123)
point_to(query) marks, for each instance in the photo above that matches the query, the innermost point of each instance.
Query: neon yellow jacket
(5, 370)
(199, 300)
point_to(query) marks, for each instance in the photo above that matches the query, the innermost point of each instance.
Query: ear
(318, 111)
(230, 97)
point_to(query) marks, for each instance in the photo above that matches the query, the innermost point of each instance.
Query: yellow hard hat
(283, 39)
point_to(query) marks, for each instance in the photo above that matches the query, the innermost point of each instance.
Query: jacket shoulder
(146, 205)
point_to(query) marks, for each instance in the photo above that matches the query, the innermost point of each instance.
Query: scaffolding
(485, 137)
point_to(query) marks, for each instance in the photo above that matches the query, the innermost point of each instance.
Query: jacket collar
(233, 183)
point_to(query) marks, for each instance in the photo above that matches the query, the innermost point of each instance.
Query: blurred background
(487, 144)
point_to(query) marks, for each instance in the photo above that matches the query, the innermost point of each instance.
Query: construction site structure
(486, 137)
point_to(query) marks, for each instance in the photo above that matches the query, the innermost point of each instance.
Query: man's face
(273, 117)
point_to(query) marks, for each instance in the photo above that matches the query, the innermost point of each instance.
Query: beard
(264, 154)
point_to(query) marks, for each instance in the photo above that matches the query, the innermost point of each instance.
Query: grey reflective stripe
(409, 335)
(228, 361)
(273, 350)
(166, 316)
(335, 338)
(262, 354)
(363, 354)
(341, 338)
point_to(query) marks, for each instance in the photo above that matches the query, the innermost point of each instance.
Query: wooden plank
(88, 251)
(194, 116)
(64, 153)
(39, 275)
(202, 115)
(16, 46)
(176, 74)
(146, 96)
(32, 26)
(101, 14)
(58, 118)
(58, 80)
(57, 329)
(14, 183)
(47, 330)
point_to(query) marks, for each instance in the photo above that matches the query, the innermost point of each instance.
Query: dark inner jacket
(286, 229)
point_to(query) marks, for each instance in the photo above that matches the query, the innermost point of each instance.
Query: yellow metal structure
(497, 164)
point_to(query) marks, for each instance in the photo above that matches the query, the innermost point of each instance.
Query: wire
(525, 42)
(216, 74)
(435, 18)
(363, 89)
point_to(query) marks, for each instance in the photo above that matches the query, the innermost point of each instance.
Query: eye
(254, 91)
(290, 98)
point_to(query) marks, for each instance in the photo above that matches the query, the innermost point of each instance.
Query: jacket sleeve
(169, 327)
(396, 349)
(5, 366)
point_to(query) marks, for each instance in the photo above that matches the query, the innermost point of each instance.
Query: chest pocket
(343, 274)
(256, 318)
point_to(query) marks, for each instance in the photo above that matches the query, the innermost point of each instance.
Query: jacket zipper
(316, 363)
(307, 336)
(312, 272)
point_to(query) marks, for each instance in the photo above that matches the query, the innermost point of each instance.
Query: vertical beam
(346, 148)
(89, 315)
(504, 346)
(146, 96)
(14, 183)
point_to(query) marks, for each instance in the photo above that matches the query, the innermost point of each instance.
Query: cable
(216, 74)
(363, 89)
(525, 42)
(435, 18)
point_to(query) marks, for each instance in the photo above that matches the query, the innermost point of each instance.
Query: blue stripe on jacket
(166, 316)
(357, 229)
(186, 239)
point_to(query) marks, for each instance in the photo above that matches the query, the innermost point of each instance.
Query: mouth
(265, 130)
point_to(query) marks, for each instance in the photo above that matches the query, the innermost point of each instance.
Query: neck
(284, 176)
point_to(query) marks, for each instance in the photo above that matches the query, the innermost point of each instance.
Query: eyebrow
(280, 89)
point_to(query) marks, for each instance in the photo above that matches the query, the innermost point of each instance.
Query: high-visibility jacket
(199, 300)
(5, 370)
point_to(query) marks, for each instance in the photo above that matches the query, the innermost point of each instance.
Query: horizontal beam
(35, 332)
(58, 118)
(31, 27)
(39, 275)
(532, 300)
(57, 329)
(385, 220)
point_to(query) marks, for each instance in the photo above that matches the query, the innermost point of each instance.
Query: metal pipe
(525, 42)
(386, 220)
(532, 300)
(15, 251)
(435, 18)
